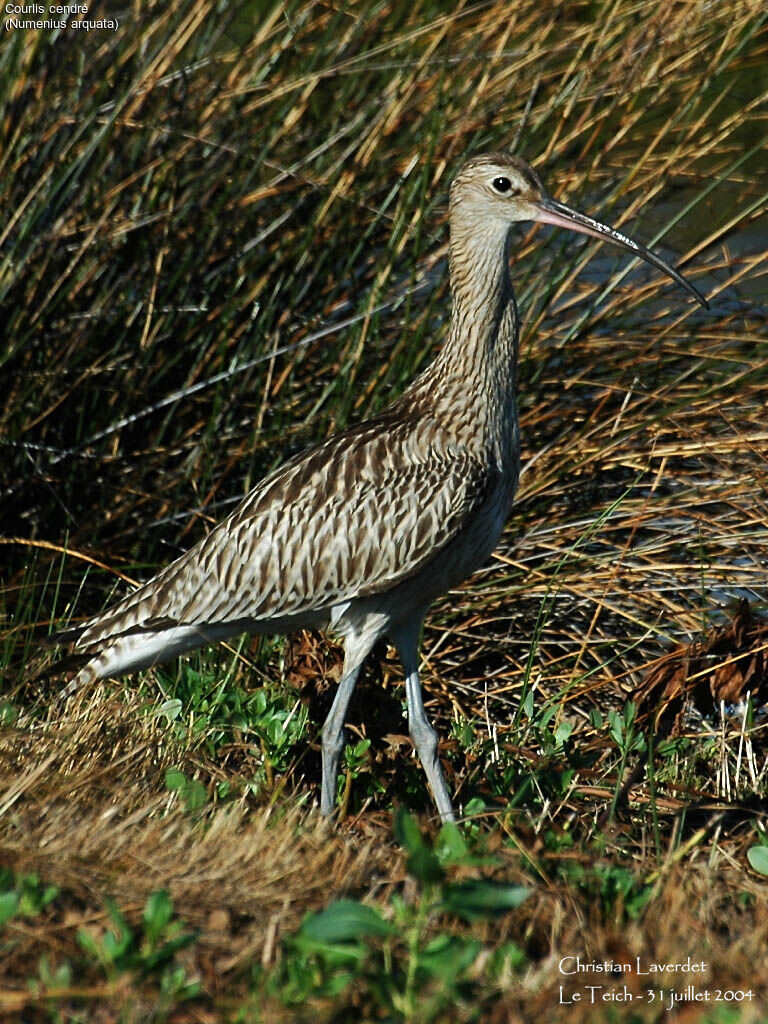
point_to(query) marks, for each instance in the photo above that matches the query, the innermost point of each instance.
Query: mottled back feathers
(350, 518)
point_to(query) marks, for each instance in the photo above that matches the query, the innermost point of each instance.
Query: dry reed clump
(729, 666)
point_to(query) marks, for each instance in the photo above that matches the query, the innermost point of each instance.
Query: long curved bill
(549, 211)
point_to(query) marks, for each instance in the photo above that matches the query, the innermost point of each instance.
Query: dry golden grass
(85, 808)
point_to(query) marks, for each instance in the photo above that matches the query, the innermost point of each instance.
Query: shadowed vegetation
(222, 237)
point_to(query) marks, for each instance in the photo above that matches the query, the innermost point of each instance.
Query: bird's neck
(483, 332)
(471, 384)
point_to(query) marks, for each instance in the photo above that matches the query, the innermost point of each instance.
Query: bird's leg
(423, 735)
(333, 730)
(425, 740)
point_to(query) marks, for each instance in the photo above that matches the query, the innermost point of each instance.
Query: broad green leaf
(478, 898)
(175, 779)
(343, 921)
(422, 860)
(424, 866)
(448, 956)
(87, 942)
(333, 954)
(474, 807)
(545, 716)
(563, 731)
(171, 708)
(407, 831)
(758, 859)
(157, 913)
(9, 904)
(194, 795)
(451, 845)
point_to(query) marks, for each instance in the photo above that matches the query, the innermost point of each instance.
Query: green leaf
(527, 705)
(545, 716)
(167, 951)
(87, 942)
(175, 779)
(9, 904)
(50, 892)
(171, 708)
(478, 898)
(157, 914)
(361, 748)
(113, 946)
(407, 831)
(194, 795)
(116, 945)
(616, 727)
(447, 957)
(507, 955)
(34, 896)
(451, 845)
(8, 713)
(58, 977)
(758, 859)
(425, 867)
(474, 807)
(422, 861)
(343, 921)
(116, 916)
(562, 732)
(333, 954)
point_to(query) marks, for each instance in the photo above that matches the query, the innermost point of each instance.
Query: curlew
(361, 533)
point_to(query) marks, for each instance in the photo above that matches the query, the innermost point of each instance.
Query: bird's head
(499, 189)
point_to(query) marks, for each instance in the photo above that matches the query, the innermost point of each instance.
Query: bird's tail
(70, 635)
(82, 663)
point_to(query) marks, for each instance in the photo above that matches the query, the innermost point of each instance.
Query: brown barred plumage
(363, 532)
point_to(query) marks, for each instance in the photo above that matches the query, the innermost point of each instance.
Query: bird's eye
(501, 185)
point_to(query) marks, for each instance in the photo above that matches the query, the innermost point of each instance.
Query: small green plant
(466, 732)
(624, 730)
(552, 739)
(214, 706)
(520, 782)
(8, 712)
(151, 949)
(279, 727)
(617, 889)
(201, 705)
(53, 977)
(191, 791)
(628, 738)
(357, 760)
(411, 970)
(23, 895)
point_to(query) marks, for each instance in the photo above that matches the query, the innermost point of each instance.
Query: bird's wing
(350, 518)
